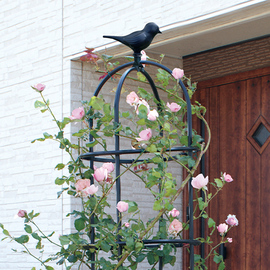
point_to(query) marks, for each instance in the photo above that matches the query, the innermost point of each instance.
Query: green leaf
(39, 104)
(126, 114)
(211, 222)
(221, 266)
(49, 267)
(157, 205)
(36, 236)
(39, 245)
(64, 240)
(72, 258)
(60, 166)
(96, 103)
(27, 228)
(218, 258)
(184, 140)
(130, 243)
(59, 181)
(107, 108)
(152, 148)
(132, 207)
(79, 224)
(5, 232)
(47, 135)
(105, 246)
(141, 122)
(151, 258)
(167, 127)
(22, 239)
(219, 182)
(141, 257)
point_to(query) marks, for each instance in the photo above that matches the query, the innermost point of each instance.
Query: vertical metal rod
(202, 194)
(117, 147)
(92, 219)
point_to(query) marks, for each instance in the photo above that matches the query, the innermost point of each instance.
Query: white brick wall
(38, 39)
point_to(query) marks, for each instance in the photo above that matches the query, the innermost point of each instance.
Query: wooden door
(238, 112)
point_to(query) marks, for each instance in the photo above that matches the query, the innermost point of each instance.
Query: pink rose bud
(178, 73)
(91, 190)
(152, 115)
(108, 166)
(126, 224)
(227, 177)
(174, 107)
(77, 114)
(100, 174)
(145, 135)
(232, 220)
(22, 213)
(143, 57)
(175, 227)
(39, 87)
(199, 181)
(132, 99)
(229, 240)
(174, 213)
(222, 228)
(122, 206)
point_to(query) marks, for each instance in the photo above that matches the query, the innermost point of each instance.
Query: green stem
(47, 105)
(44, 234)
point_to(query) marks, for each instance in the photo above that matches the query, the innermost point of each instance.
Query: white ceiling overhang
(245, 21)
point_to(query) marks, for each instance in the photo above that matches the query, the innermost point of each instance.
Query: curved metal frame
(92, 156)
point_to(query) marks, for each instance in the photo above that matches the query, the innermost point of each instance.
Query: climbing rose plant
(155, 127)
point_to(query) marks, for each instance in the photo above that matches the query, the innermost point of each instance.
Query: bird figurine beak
(159, 31)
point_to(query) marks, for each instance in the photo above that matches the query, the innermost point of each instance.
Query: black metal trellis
(118, 153)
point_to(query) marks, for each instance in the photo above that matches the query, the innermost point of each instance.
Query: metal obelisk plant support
(137, 65)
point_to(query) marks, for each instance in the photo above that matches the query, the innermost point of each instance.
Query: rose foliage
(155, 127)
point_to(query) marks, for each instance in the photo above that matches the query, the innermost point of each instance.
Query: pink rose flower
(227, 177)
(126, 224)
(108, 166)
(178, 73)
(174, 107)
(122, 206)
(145, 135)
(152, 115)
(81, 184)
(39, 87)
(199, 181)
(232, 220)
(174, 213)
(83, 187)
(229, 240)
(91, 190)
(132, 99)
(100, 174)
(175, 227)
(77, 113)
(22, 213)
(222, 228)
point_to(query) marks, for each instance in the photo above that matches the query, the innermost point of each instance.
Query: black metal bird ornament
(138, 40)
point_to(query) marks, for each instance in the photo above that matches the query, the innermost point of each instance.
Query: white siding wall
(38, 39)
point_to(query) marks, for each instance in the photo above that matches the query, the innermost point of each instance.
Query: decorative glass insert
(261, 135)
